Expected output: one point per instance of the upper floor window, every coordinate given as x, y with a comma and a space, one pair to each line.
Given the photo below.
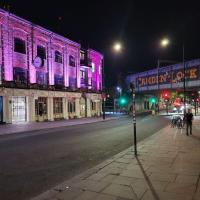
82, 55
19, 45
93, 67
72, 61
41, 52
58, 57
82, 74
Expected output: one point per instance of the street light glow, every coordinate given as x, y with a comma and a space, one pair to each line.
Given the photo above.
164, 42
117, 47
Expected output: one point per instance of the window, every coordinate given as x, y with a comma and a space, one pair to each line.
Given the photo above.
20, 76
99, 69
58, 57
57, 105
41, 52
19, 45
93, 105
82, 55
71, 106
72, 61
41, 106
41, 78
90, 81
93, 67
59, 80
72, 82
82, 74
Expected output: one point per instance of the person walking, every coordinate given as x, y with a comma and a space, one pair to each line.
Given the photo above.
188, 120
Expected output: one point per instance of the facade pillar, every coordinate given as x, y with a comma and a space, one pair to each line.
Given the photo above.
98, 107
65, 108
7, 48
31, 109
49, 62
77, 104
7, 109
50, 108
66, 68
88, 102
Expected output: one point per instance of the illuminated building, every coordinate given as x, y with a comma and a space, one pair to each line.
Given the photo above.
45, 76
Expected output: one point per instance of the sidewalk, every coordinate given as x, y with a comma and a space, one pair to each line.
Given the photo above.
33, 126
167, 168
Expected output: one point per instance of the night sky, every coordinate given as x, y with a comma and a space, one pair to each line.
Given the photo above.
139, 25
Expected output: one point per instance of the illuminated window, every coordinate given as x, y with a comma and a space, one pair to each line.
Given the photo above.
41, 52
82, 74
93, 67
19, 45
58, 57
82, 55
72, 61
90, 81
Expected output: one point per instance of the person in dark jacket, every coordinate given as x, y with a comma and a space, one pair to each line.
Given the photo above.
188, 120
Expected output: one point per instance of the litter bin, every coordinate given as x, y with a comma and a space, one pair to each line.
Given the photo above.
153, 112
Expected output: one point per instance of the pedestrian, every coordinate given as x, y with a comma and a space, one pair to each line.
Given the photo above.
188, 120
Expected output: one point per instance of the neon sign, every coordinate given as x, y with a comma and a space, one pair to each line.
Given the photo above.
174, 76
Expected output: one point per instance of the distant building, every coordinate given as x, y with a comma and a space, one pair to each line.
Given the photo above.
45, 76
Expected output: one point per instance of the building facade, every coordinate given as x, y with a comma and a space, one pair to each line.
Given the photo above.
45, 76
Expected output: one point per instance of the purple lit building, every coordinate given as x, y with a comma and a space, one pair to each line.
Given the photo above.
45, 76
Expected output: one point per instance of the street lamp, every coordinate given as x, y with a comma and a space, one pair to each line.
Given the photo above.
164, 42
117, 47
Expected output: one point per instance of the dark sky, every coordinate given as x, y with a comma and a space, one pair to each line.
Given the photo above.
139, 25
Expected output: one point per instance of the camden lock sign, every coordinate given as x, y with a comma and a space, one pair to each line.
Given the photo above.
174, 76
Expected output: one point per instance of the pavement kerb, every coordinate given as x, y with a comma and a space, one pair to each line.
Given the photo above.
51, 193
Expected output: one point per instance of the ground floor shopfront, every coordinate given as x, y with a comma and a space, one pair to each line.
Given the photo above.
18, 105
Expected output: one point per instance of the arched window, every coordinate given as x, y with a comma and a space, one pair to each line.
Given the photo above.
19, 45
72, 61
58, 57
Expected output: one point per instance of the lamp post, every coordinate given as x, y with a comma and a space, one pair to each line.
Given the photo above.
132, 86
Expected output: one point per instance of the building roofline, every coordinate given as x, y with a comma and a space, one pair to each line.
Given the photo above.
39, 27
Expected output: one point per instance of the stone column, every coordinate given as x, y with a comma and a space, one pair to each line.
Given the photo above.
31, 109
88, 102
50, 108
77, 104
98, 105
65, 108
7, 109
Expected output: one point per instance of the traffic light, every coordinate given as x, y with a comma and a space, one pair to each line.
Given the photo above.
166, 95
122, 101
153, 100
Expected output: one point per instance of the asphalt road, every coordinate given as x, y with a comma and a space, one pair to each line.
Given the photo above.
33, 162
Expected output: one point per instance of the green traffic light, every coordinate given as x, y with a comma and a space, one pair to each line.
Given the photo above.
122, 101
153, 100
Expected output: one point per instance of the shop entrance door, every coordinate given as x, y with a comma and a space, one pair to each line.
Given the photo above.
83, 107
18, 109
1, 109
